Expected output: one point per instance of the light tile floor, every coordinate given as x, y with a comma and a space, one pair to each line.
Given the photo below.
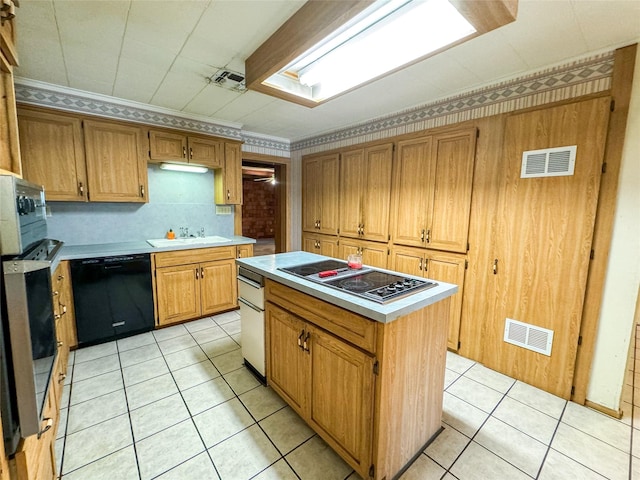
178, 404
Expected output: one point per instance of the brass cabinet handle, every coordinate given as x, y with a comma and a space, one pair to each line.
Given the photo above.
422, 235
60, 277
60, 344
55, 293
300, 339
142, 191
428, 239
64, 309
81, 189
184, 152
190, 153
201, 272
57, 316
305, 345
62, 377
197, 273
426, 264
420, 266
495, 266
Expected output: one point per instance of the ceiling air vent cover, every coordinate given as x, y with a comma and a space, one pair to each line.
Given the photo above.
549, 162
228, 79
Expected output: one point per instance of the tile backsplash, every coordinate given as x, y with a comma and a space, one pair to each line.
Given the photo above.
176, 199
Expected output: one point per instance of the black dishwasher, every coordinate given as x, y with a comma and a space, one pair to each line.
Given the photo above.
113, 297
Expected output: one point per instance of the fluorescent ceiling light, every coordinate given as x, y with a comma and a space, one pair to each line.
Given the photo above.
180, 167
384, 37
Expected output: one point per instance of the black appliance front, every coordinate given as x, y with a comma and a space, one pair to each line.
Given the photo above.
113, 297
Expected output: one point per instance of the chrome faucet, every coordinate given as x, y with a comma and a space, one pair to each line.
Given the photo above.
184, 232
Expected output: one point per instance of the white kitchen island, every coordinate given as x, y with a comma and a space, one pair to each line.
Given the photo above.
367, 377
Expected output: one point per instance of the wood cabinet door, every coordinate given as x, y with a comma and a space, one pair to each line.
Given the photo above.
352, 179
167, 146
328, 246
310, 243
53, 154
348, 247
178, 295
544, 239
375, 255
228, 180
287, 364
341, 389
207, 152
449, 268
218, 286
245, 251
9, 143
448, 224
330, 177
376, 196
413, 174
407, 261
116, 162
311, 187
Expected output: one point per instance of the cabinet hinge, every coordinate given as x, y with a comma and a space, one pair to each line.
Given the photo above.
579, 340
388, 251
466, 264
376, 367
612, 107
573, 390
338, 232
468, 246
458, 345
477, 133
372, 471
604, 168
389, 238
592, 254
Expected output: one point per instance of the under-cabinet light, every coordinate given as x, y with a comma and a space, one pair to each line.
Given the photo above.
179, 167
384, 37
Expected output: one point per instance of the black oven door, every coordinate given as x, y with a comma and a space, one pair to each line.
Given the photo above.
31, 331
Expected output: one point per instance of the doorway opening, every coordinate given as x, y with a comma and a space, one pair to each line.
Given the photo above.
263, 214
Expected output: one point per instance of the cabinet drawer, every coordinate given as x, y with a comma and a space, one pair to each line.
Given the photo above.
353, 328
196, 255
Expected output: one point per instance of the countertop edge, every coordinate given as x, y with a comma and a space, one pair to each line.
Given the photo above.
79, 252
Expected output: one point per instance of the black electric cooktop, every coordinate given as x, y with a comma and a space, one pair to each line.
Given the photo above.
381, 287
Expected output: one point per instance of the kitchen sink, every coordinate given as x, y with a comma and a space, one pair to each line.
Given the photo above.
165, 242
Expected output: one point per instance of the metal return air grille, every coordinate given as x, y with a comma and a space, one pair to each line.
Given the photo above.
528, 336
549, 162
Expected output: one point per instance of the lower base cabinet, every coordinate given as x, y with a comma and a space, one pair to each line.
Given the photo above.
372, 391
194, 283
374, 254
438, 266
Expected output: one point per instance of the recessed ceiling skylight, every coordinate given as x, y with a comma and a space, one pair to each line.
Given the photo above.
328, 48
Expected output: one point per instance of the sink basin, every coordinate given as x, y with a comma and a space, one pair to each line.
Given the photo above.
164, 242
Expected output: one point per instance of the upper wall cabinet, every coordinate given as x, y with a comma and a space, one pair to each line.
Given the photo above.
365, 191
228, 179
116, 162
53, 154
169, 146
86, 160
320, 194
9, 145
433, 180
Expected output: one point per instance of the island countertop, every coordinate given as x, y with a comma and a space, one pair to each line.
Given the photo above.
269, 265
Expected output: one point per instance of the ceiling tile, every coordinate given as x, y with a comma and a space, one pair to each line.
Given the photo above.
165, 24
183, 82
592, 15
540, 30
147, 54
137, 81
210, 99
446, 74
209, 50
90, 84
243, 105
37, 15
39, 61
81, 63
96, 26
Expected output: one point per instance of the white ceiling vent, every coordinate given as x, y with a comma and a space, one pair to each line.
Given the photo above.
549, 162
228, 79
528, 336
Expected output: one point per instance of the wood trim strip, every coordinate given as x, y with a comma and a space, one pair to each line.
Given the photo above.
621, 83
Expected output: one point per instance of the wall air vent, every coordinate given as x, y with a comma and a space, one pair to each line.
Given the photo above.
228, 79
528, 336
549, 162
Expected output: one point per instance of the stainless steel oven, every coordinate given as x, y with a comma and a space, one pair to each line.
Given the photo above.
28, 344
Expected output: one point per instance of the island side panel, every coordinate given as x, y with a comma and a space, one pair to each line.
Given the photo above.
412, 354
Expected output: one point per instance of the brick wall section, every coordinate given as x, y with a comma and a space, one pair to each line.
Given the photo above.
258, 209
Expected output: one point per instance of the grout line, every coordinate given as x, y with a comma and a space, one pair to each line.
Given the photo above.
555, 430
